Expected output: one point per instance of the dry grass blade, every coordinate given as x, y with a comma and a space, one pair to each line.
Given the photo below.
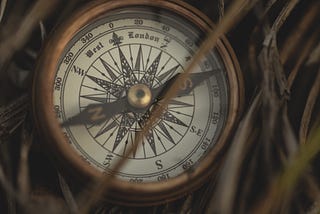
186, 207
314, 56
20, 34
275, 91
13, 115
21, 195
68, 196
274, 80
8, 188
23, 172
203, 196
307, 114
315, 209
307, 21
222, 201
269, 5
313, 190
270, 45
261, 13
315, 125
287, 9
270, 100
3, 4
250, 175
221, 9
166, 208
305, 52
289, 137
272, 104
283, 186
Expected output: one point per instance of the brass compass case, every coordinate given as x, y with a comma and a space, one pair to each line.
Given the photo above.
121, 42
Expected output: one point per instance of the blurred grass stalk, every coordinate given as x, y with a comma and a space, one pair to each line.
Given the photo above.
15, 35
3, 4
286, 183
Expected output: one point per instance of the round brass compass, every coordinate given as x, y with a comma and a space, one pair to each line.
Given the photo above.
105, 69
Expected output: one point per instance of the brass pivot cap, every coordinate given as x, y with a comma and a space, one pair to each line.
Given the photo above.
139, 96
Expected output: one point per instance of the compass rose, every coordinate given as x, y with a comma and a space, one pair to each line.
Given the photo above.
139, 81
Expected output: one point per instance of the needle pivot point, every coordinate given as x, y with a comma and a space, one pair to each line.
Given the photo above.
139, 96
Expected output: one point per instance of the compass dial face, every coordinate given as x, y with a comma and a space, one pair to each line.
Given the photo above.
130, 54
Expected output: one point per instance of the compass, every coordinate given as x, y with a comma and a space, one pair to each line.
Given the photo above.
105, 69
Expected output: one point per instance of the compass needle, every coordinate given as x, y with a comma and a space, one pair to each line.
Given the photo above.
109, 73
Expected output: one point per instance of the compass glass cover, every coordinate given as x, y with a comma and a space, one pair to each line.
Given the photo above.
139, 51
